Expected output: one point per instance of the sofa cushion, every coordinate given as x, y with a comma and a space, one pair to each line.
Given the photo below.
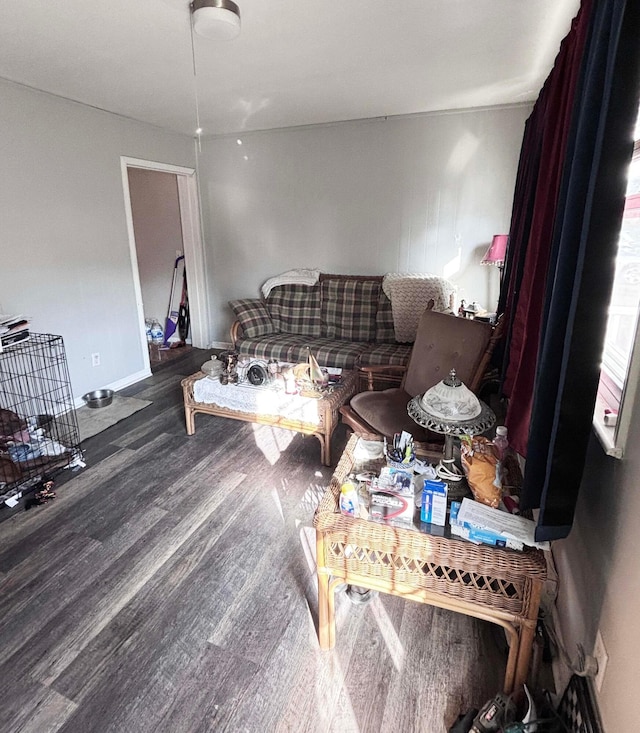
295, 309
330, 352
253, 316
293, 349
385, 332
277, 346
386, 354
349, 309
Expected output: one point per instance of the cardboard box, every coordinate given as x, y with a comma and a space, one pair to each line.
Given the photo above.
387, 505
434, 502
480, 535
519, 529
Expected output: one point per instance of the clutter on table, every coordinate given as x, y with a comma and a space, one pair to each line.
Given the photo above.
306, 378
396, 488
401, 453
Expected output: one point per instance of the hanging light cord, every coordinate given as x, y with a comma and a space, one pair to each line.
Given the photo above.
195, 86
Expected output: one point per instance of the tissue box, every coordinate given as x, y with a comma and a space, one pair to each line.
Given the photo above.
434, 502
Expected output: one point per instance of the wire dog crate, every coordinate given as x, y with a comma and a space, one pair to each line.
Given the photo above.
38, 426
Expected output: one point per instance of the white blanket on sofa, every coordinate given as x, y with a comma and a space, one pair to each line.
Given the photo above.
410, 294
299, 277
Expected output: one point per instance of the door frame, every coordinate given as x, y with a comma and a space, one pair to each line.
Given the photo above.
192, 243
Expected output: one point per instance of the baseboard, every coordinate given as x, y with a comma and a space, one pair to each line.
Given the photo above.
220, 345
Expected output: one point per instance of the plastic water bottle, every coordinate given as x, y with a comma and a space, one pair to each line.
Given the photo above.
501, 442
349, 499
148, 323
157, 334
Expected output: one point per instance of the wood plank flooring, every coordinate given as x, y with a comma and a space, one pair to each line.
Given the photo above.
169, 587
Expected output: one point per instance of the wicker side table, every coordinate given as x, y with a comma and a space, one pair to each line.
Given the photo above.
498, 585
328, 407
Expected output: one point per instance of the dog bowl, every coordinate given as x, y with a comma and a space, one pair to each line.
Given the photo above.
98, 398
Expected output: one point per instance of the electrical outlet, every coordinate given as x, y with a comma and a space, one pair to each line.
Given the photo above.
95, 359
600, 653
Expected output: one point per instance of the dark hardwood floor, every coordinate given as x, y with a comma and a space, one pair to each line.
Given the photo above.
170, 587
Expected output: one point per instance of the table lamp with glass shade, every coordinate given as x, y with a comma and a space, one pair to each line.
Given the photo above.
449, 407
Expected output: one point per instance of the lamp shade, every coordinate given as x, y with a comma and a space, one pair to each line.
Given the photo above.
450, 408
497, 250
218, 20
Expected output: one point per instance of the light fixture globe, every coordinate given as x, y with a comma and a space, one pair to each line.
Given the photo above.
452, 409
451, 400
218, 20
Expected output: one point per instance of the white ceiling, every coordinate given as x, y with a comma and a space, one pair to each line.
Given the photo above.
296, 62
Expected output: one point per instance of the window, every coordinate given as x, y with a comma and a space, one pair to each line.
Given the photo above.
620, 369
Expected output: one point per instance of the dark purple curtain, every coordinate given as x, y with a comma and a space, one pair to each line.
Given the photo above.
535, 207
565, 224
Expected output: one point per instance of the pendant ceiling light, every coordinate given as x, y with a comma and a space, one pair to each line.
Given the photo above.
216, 19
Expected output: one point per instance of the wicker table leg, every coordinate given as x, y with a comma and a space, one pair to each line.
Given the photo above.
325, 448
189, 419
326, 605
526, 636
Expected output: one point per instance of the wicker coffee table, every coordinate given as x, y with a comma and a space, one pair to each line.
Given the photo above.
498, 585
325, 411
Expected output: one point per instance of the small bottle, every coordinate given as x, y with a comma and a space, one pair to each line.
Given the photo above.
349, 499
461, 309
147, 324
157, 335
273, 368
501, 442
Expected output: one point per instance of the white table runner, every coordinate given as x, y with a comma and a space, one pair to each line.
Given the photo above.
263, 400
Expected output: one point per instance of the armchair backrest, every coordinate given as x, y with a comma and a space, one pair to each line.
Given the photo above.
444, 342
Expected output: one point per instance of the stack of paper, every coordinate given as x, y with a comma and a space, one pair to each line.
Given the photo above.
13, 330
483, 524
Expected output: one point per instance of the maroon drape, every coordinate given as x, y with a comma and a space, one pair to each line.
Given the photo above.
532, 222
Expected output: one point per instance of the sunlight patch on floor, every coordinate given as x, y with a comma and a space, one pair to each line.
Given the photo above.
308, 542
272, 441
309, 502
278, 503
334, 707
389, 634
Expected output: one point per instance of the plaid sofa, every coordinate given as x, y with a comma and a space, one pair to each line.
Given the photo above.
345, 320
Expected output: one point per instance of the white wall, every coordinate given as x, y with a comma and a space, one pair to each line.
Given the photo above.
419, 193
65, 253
156, 220
599, 569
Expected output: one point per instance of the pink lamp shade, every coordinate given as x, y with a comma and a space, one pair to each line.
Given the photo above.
497, 250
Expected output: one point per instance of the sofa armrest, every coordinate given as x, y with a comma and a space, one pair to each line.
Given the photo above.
370, 372
235, 332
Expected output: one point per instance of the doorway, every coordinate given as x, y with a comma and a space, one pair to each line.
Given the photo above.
167, 224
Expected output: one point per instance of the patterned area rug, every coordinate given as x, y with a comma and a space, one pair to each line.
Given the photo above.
92, 421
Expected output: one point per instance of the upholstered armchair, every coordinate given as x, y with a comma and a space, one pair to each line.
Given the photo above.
443, 342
